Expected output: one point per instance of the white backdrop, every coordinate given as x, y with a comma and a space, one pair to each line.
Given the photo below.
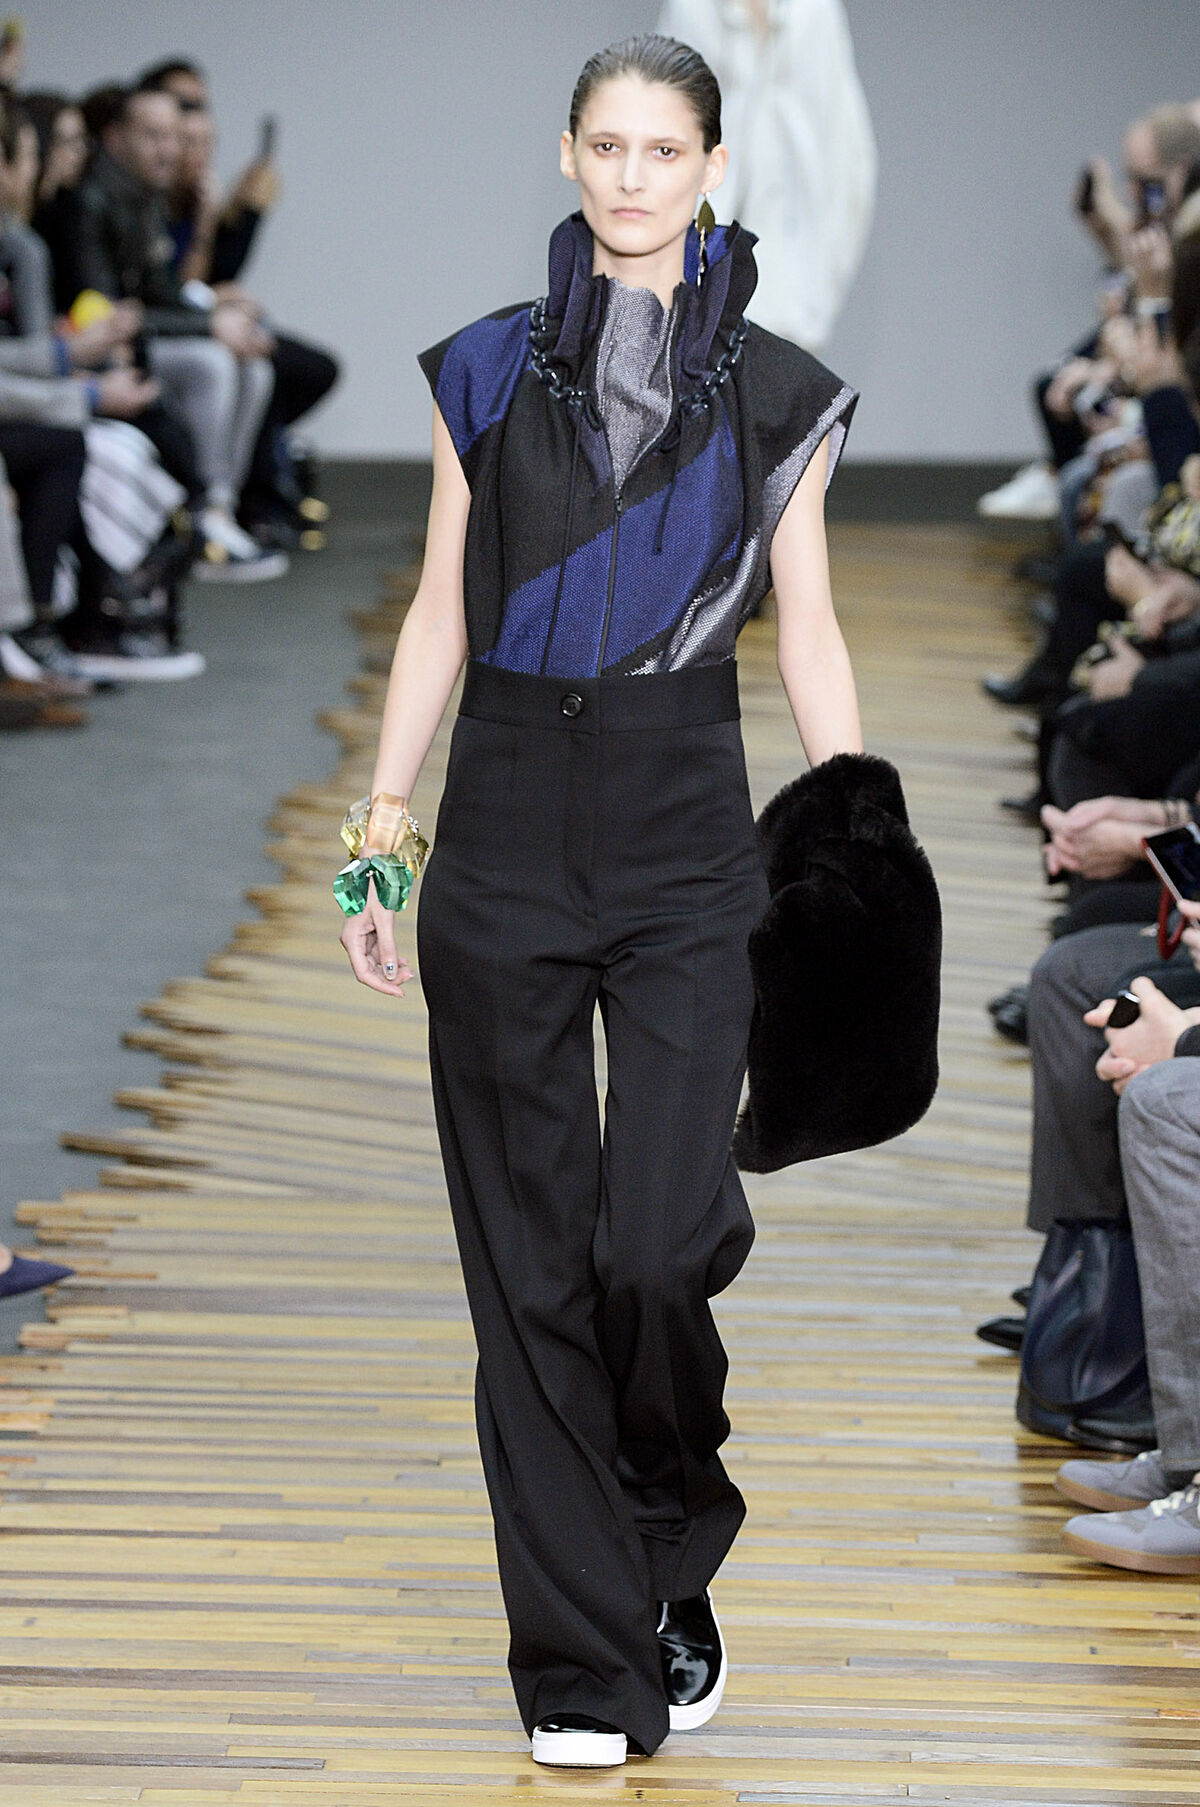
418, 147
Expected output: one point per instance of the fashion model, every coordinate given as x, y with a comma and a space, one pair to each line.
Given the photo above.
621, 471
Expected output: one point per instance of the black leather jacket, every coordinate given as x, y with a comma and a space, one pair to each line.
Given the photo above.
126, 252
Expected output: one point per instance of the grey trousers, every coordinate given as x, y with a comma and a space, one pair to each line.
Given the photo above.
223, 401
1160, 1158
1075, 1169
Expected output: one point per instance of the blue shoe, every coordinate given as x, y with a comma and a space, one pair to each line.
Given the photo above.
25, 1276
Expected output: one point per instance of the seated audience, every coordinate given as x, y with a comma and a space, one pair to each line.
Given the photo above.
145, 400
212, 361
213, 238
1159, 151
56, 390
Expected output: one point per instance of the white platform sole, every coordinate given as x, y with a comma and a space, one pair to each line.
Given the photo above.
699, 1712
579, 1750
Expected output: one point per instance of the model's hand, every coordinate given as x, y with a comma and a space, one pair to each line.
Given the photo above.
370, 942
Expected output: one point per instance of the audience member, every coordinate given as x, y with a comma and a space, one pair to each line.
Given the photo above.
213, 236
1145, 1510
63, 152
213, 361
144, 396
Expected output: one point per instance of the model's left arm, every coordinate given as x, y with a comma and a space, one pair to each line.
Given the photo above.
813, 661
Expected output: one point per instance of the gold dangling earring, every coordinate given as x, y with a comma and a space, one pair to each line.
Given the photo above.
706, 220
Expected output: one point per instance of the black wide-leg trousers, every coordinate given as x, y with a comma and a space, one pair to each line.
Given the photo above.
595, 845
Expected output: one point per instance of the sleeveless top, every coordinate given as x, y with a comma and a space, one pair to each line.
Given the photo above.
628, 464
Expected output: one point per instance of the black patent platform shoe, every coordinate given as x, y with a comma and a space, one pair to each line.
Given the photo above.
577, 1741
694, 1662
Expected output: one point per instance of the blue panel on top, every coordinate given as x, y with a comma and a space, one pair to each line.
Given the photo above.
651, 590
479, 373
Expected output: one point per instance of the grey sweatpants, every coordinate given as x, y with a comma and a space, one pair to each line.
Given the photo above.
223, 401
1160, 1158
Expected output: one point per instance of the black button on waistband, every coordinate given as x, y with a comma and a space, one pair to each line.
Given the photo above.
572, 703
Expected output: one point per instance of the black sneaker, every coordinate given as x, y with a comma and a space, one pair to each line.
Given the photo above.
694, 1662
36, 655
577, 1741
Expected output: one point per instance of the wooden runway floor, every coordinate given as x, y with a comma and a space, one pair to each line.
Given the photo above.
245, 1545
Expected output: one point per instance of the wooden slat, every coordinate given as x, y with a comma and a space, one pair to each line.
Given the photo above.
246, 1549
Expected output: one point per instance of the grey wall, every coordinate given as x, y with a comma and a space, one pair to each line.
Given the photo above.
419, 153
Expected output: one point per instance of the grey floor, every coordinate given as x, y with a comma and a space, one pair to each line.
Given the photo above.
129, 844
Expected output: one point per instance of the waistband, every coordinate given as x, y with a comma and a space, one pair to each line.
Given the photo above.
666, 699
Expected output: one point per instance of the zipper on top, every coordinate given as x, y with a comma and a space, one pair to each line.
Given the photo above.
618, 509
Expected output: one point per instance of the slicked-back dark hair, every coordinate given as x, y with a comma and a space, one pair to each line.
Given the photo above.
655, 59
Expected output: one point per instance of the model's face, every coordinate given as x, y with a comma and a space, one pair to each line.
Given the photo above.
639, 159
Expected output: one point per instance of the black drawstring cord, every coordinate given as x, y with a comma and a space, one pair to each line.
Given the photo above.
581, 408
662, 518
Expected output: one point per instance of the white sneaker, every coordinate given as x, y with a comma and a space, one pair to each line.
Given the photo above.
140, 655
231, 555
1030, 495
576, 1741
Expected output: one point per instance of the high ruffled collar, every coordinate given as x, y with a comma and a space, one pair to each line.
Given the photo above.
577, 299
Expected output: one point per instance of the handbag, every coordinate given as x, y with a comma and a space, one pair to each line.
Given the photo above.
1084, 1349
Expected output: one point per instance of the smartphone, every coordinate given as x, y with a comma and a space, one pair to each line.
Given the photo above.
268, 132
1153, 200
1085, 191
1126, 1009
1175, 856
1162, 322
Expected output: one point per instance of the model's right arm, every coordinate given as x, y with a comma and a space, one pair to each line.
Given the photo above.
429, 656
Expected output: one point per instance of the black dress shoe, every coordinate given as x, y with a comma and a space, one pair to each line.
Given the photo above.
1020, 1295
694, 1663
1119, 1436
577, 1741
1005, 1333
1036, 685
1010, 1014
